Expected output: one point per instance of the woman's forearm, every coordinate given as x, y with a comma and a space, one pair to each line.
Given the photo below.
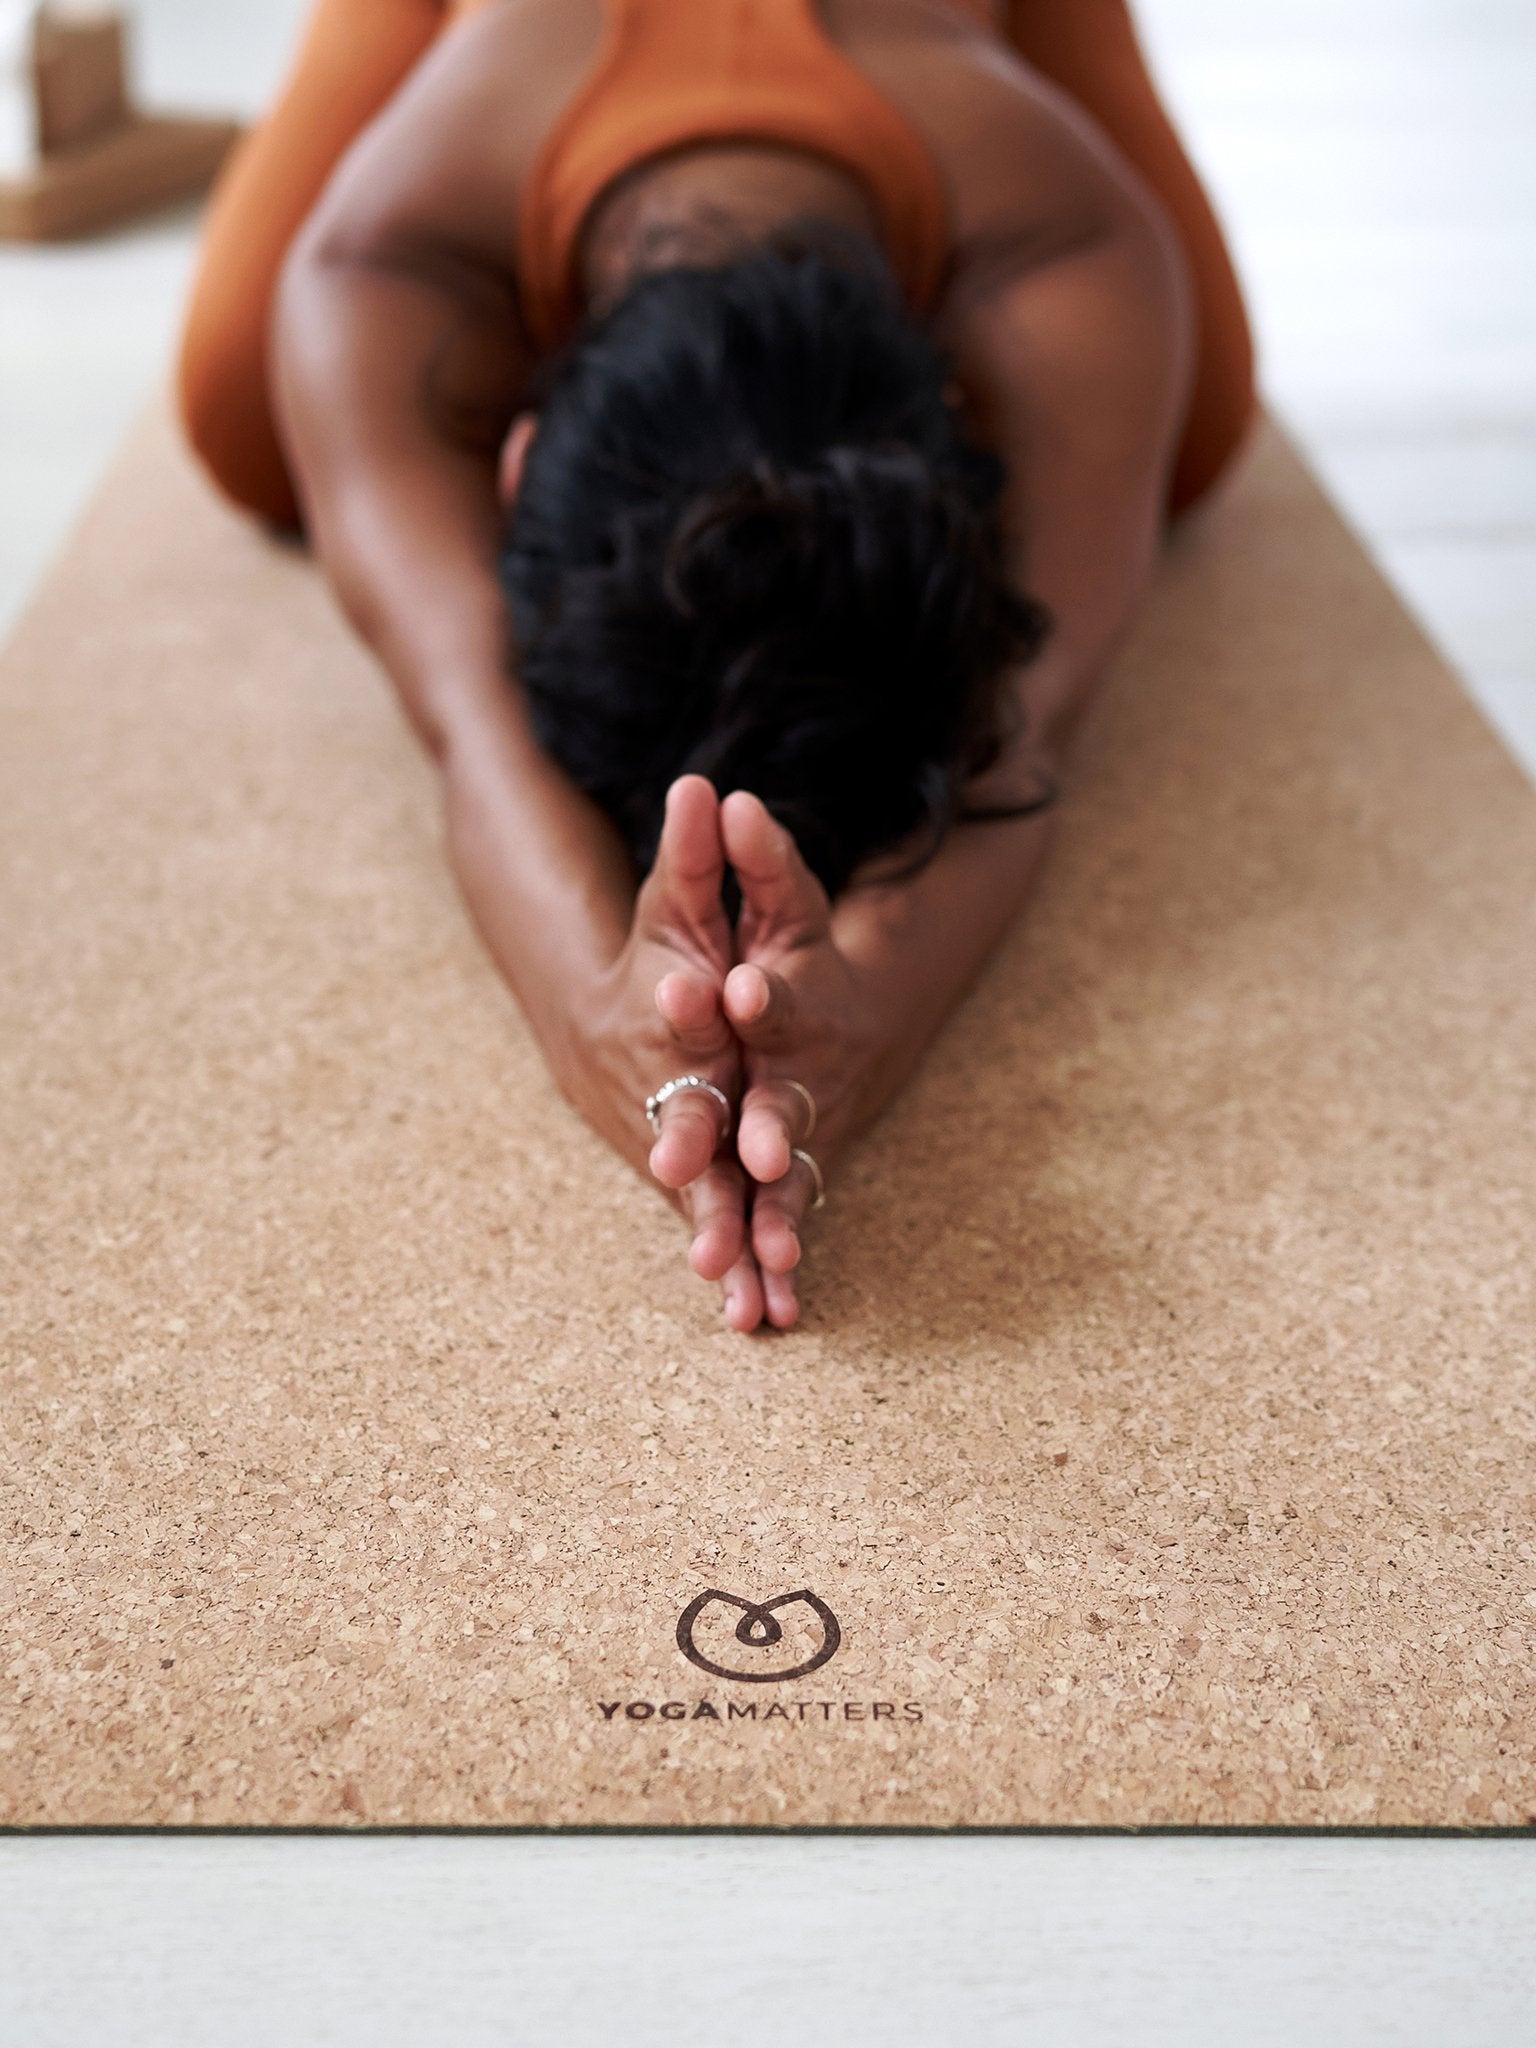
543, 871
406, 523
919, 945
1087, 438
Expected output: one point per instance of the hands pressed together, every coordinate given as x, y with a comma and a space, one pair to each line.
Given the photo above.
753, 1009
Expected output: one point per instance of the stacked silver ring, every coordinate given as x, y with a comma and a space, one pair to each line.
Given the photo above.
669, 1088
810, 1103
821, 1186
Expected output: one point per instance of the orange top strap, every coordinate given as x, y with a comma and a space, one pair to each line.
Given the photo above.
675, 72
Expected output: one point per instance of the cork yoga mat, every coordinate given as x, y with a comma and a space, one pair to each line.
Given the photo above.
1159, 1441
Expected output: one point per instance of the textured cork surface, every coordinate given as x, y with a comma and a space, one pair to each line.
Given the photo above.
1160, 1434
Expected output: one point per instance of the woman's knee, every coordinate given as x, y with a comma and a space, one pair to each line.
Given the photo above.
221, 391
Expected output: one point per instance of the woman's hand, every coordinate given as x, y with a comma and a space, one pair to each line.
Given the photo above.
805, 1013
657, 1012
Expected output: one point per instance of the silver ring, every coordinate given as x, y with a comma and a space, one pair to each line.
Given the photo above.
810, 1103
821, 1186
653, 1102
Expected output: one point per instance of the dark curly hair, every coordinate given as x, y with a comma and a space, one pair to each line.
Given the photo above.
753, 542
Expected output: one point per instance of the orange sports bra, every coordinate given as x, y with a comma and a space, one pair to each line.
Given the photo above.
675, 72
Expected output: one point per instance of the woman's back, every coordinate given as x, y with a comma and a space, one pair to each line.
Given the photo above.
408, 123
540, 107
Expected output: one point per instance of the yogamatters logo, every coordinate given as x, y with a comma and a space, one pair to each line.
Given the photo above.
704, 1636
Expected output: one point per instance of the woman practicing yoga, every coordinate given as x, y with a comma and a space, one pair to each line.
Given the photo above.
743, 429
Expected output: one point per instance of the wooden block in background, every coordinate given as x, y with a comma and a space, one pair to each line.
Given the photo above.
149, 161
80, 67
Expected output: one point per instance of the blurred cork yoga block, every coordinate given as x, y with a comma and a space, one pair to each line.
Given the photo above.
76, 155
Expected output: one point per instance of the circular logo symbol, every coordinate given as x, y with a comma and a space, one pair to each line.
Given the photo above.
758, 1629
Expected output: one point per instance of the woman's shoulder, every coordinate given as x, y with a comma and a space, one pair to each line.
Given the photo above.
1024, 166
453, 147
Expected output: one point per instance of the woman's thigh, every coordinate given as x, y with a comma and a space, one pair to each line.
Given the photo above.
354, 56
1090, 49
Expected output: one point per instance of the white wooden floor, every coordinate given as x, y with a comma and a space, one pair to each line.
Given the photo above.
850, 1942
1376, 162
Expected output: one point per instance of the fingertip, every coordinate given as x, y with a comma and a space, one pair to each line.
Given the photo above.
686, 1003
693, 791
786, 1253
783, 1309
713, 1253
768, 1162
683, 1146
748, 990
740, 1314
742, 811
744, 1298
682, 797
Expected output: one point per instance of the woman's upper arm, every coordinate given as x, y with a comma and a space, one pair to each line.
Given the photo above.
396, 337
1077, 367
440, 161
